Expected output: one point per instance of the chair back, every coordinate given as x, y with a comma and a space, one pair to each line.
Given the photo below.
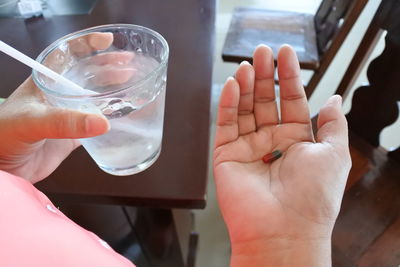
333, 17
374, 106
332, 22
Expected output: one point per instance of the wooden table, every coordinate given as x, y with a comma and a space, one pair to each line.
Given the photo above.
178, 179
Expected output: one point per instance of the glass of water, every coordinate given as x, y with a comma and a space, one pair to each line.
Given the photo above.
122, 69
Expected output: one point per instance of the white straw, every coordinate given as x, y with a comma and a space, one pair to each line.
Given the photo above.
14, 53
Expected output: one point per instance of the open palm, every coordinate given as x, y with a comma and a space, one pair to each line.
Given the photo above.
297, 195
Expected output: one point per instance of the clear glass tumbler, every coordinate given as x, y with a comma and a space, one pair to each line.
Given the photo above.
122, 69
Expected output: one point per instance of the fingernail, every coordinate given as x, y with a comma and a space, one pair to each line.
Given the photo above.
245, 62
96, 124
101, 40
337, 100
262, 45
286, 45
230, 78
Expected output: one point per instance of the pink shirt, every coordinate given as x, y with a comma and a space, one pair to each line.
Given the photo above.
33, 232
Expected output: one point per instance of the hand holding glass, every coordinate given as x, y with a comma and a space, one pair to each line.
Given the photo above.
123, 71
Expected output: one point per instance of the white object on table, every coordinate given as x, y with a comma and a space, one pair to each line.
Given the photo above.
28, 8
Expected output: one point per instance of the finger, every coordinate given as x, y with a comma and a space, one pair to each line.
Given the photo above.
294, 107
86, 44
57, 123
245, 78
332, 124
59, 59
114, 58
106, 76
227, 121
100, 40
265, 108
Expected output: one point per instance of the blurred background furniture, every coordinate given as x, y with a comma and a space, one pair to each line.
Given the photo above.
49, 8
137, 214
316, 38
367, 232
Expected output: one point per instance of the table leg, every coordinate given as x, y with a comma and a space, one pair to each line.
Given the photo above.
157, 235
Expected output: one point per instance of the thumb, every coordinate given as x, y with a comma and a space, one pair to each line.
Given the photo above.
58, 123
332, 124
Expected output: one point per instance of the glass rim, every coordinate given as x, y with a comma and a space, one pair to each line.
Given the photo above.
73, 35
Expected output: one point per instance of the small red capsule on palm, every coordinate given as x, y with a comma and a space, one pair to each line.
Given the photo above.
270, 157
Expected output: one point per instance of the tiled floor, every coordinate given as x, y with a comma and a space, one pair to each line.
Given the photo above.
214, 249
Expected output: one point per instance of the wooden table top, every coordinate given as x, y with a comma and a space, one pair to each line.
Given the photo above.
178, 179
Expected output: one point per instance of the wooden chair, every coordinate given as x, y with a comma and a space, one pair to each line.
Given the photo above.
367, 232
316, 38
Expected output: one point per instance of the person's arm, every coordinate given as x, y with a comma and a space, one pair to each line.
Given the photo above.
35, 233
280, 212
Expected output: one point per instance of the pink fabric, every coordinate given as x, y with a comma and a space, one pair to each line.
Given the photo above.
33, 232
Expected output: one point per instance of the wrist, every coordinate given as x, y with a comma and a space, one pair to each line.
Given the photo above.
282, 252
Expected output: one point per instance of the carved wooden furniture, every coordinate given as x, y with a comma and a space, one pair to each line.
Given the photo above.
367, 232
316, 38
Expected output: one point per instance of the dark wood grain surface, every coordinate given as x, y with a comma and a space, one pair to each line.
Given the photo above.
251, 27
178, 178
384, 249
369, 209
